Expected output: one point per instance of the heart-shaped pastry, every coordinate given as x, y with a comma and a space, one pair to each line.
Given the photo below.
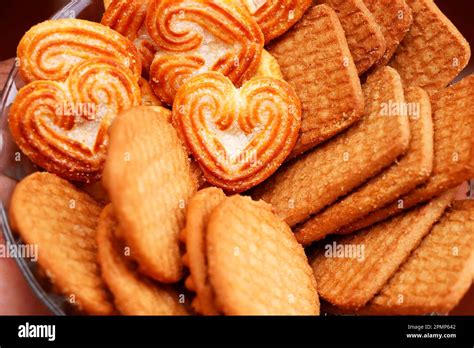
62, 126
276, 16
49, 50
238, 136
197, 36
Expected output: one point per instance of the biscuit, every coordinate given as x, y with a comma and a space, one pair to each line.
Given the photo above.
256, 266
364, 36
52, 214
133, 293
239, 137
349, 282
394, 18
433, 52
315, 49
194, 236
453, 125
148, 177
437, 274
275, 17
304, 187
412, 169
62, 126
218, 36
51, 49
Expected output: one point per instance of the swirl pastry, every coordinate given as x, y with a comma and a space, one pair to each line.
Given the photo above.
62, 126
196, 36
238, 136
275, 17
49, 50
128, 18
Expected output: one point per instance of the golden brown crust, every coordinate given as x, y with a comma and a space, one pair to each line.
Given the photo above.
145, 155
256, 267
304, 187
453, 125
404, 175
194, 235
364, 36
51, 49
239, 137
197, 36
437, 274
350, 282
433, 52
133, 293
52, 214
62, 126
394, 18
315, 49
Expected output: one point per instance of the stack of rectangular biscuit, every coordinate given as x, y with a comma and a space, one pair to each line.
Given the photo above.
385, 142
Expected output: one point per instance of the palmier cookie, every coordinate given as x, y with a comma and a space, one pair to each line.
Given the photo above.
62, 126
51, 49
196, 36
239, 137
275, 17
254, 264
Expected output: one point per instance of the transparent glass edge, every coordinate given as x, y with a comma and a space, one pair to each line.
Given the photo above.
76, 6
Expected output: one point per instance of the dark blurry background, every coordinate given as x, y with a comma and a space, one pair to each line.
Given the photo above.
17, 16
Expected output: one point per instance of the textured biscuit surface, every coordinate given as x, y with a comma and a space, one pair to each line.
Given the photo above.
148, 177
433, 52
350, 283
51, 213
364, 36
437, 274
315, 49
453, 163
401, 177
133, 293
318, 178
194, 236
256, 266
394, 18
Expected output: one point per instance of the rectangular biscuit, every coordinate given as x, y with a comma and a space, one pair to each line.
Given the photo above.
315, 60
364, 36
437, 274
411, 170
394, 18
453, 126
349, 282
306, 185
433, 52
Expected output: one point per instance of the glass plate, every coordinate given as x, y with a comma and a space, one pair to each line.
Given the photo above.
18, 166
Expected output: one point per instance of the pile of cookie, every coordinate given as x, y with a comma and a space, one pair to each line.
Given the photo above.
248, 157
